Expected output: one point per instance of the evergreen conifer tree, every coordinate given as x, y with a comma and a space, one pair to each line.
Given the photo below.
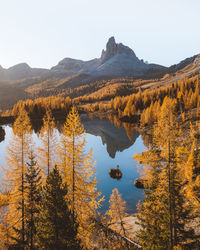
56, 228
33, 190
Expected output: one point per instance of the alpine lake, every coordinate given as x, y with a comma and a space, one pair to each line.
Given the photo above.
113, 145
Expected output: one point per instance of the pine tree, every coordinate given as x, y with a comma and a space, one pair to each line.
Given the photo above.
33, 190
56, 228
78, 172
153, 216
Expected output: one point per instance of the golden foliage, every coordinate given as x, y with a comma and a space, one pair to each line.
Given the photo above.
80, 175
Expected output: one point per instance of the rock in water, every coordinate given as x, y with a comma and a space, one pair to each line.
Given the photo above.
140, 183
115, 173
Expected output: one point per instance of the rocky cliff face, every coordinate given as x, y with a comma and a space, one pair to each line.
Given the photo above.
112, 49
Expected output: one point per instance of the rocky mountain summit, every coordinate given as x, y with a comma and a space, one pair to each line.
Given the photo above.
115, 72
117, 60
112, 49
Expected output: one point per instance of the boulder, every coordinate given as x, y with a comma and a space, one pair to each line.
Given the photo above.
140, 183
115, 173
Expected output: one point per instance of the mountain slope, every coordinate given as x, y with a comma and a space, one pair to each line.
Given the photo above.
116, 61
77, 77
20, 71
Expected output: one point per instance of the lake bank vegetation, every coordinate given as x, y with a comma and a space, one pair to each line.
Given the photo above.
147, 103
49, 195
169, 215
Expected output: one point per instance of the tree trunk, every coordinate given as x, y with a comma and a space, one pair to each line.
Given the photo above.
170, 199
23, 238
73, 165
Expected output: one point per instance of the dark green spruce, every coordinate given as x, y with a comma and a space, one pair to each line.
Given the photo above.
33, 189
55, 227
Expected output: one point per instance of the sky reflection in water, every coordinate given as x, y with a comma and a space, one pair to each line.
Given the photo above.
104, 163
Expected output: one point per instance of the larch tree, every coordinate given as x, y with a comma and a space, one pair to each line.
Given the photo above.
192, 168
49, 141
117, 211
166, 134
4, 226
79, 173
113, 220
17, 155
164, 203
189, 160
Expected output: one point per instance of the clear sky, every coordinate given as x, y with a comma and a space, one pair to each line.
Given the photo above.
42, 32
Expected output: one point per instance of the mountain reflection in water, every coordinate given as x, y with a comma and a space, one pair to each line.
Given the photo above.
115, 138
113, 143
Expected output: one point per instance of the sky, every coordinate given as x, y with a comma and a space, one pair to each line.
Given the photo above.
43, 32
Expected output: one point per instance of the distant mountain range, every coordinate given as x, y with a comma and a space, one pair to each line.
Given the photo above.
116, 61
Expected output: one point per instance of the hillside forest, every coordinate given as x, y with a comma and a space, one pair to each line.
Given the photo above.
49, 197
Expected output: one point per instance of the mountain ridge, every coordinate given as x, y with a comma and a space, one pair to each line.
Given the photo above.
118, 71
117, 60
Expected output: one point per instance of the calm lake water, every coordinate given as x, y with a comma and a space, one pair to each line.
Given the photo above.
111, 147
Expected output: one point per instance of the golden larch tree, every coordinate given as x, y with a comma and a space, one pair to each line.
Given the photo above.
117, 210
79, 173
49, 141
14, 176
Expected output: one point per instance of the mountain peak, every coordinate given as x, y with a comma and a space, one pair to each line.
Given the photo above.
113, 48
111, 43
20, 66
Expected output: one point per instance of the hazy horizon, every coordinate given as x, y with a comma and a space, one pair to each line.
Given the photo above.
41, 33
